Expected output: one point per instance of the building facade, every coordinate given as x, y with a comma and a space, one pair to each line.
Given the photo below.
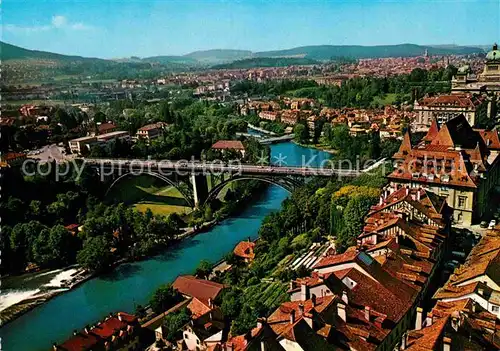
454, 161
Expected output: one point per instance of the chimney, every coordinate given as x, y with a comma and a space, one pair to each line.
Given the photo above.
341, 311
428, 319
418, 194
262, 346
229, 347
292, 317
367, 313
344, 297
86, 329
446, 344
418, 321
407, 191
120, 317
474, 307
301, 309
209, 302
259, 323
304, 292
404, 340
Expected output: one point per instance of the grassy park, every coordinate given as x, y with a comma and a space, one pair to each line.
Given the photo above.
145, 192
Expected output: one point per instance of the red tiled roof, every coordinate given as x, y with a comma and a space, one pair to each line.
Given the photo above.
95, 337
228, 144
152, 126
105, 127
244, 249
198, 288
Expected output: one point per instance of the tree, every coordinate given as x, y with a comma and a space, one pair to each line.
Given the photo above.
22, 238
301, 133
173, 322
164, 298
231, 304
245, 320
204, 269
354, 212
95, 254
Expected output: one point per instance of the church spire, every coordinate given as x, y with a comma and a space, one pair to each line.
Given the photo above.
433, 131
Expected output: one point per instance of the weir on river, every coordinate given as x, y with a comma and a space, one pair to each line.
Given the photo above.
133, 283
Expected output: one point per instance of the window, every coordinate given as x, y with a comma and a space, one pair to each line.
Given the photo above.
495, 309
186, 336
462, 200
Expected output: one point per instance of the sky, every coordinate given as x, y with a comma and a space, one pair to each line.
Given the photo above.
123, 28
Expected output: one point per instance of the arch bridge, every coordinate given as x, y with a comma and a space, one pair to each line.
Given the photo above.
199, 182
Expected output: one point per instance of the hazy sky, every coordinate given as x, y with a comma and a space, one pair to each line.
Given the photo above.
121, 28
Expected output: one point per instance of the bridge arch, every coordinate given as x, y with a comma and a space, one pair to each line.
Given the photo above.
187, 196
285, 183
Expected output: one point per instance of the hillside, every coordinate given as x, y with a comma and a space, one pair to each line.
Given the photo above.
13, 52
327, 52
266, 62
171, 59
217, 56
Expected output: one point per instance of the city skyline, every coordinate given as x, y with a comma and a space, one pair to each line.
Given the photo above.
130, 28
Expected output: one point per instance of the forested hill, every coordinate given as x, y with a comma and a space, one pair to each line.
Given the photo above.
13, 52
266, 62
327, 52
222, 56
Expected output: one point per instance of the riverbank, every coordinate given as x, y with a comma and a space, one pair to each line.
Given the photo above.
75, 277
30, 302
319, 147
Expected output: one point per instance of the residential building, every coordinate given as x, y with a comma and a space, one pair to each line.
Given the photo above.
478, 278
104, 128
234, 145
244, 251
269, 115
458, 325
83, 144
453, 161
80, 145
260, 338
117, 332
151, 131
204, 331
116, 135
204, 290
290, 117
445, 107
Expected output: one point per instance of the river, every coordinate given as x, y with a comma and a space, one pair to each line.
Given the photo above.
133, 283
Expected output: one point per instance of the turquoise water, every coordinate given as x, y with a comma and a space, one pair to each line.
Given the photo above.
132, 284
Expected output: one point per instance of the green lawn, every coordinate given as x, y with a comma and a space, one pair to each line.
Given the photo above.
388, 99
143, 192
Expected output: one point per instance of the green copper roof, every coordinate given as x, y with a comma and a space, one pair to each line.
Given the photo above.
494, 54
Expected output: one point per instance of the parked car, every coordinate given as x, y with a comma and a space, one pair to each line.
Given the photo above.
492, 224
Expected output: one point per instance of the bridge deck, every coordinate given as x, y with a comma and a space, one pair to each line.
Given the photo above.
216, 167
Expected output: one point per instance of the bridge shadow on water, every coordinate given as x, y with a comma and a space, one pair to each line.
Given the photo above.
176, 250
